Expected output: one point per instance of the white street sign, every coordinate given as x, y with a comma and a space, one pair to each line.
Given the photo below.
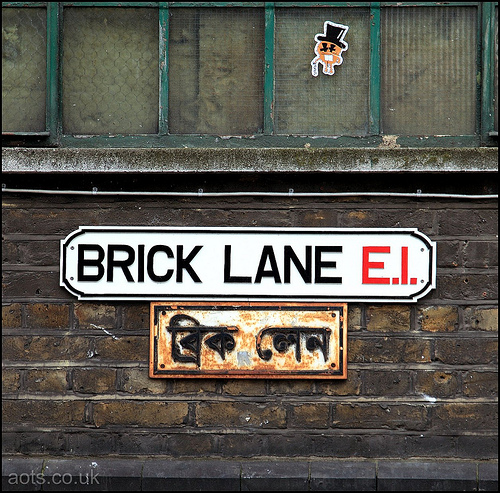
248, 264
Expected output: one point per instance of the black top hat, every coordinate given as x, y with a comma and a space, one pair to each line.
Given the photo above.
334, 34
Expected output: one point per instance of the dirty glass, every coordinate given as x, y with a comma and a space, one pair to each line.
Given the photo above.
110, 71
327, 104
216, 65
428, 84
495, 82
24, 69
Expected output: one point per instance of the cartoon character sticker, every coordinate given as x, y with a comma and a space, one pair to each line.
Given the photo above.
329, 47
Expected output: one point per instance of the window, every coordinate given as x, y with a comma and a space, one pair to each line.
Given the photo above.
175, 74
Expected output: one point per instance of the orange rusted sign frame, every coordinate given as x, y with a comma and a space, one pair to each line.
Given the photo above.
248, 340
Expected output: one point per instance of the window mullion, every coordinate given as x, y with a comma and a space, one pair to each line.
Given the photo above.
53, 100
375, 65
163, 16
269, 69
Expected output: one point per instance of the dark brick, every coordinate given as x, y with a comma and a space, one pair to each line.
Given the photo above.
263, 475
291, 387
185, 475
350, 386
47, 316
354, 318
137, 381
383, 446
126, 348
146, 414
481, 254
33, 252
386, 382
369, 416
46, 443
458, 417
314, 218
245, 414
90, 443
480, 384
45, 348
478, 447
308, 415
231, 445
43, 412
30, 285
48, 380
136, 317
388, 350
10, 380
436, 383
388, 318
467, 222
296, 444
431, 446
448, 254
95, 316
426, 476
128, 443
332, 445
194, 386
94, 380
191, 445
468, 287
343, 476
244, 387
466, 351
11, 316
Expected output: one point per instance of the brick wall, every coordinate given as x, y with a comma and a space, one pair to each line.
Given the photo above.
422, 379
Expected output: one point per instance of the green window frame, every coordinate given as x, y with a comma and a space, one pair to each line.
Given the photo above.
53, 136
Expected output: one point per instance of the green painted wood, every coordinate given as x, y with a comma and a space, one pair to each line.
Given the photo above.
53, 105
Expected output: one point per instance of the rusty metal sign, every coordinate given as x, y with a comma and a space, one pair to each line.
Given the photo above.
251, 340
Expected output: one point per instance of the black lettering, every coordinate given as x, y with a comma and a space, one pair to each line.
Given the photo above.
184, 263
227, 269
267, 254
140, 263
305, 272
89, 262
150, 263
320, 264
124, 264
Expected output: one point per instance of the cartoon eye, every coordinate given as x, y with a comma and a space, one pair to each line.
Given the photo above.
324, 47
332, 48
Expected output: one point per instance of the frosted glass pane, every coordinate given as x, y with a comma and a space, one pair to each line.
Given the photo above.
216, 66
24, 69
110, 71
327, 104
429, 70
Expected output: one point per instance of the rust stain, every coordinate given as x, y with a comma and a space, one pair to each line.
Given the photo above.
248, 340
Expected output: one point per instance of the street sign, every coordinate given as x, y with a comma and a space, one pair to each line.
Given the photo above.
248, 264
249, 340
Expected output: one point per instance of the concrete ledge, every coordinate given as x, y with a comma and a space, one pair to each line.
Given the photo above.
426, 476
339, 160
152, 474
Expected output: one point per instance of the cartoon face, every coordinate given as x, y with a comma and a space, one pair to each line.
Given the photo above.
329, 52
329, 48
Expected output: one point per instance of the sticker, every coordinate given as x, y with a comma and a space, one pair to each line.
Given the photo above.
329, 48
